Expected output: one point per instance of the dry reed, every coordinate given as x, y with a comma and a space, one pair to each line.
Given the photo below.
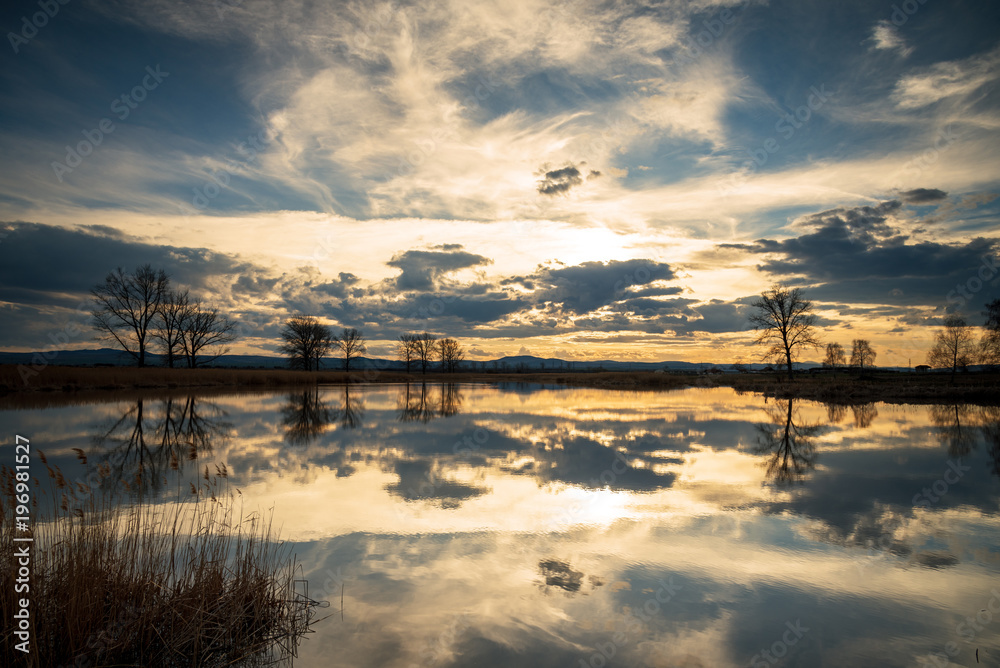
192, 582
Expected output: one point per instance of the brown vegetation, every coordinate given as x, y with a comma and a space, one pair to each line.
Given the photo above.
122, 583
829, 387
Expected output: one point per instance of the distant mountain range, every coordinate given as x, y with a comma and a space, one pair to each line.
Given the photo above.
113, 357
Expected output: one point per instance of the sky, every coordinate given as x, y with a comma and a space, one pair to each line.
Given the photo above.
584, 180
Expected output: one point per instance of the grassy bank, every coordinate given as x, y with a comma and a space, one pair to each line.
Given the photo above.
118, 583
83, 382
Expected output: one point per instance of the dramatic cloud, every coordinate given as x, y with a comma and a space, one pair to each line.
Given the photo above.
591, 285
923, 195
490, 170
559, 181
860, 255
422, 269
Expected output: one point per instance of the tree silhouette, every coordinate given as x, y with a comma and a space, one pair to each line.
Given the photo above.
789, 444
126, 308
201, 329
424, 347
406, 349
834, 355
862, 355
989, 344
306, 341
172, 314
352, 344
451, 354
784, 322
954, 346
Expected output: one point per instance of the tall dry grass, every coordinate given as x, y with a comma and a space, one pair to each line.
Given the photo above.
193, 582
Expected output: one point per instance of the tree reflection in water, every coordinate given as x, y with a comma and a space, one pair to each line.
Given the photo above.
864, 414
307, 414
989, 419
154, 436
417, 405
787, 442
956, 427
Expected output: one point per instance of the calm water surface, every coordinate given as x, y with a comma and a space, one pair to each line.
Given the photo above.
534, 526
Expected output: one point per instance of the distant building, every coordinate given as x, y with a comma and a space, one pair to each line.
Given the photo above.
922, 368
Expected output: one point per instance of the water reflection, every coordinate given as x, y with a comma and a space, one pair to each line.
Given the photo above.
308, 413
530, 525
419, 405
151, 438
990, 416
955, 427
305, 416
787, 443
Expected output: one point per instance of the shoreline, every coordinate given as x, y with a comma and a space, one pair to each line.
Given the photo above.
88, 383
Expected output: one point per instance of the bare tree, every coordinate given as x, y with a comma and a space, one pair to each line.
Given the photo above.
306, 342
862, 354
407, 349
451, 354
352, 344
954, 346
127, 305
424, 346
203, 328
989, 345
174, 311
834, 355
784, 322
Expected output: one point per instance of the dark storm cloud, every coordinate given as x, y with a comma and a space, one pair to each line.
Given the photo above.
253, 285
52, 259
860, 256
46, 274
421, 269
582, 288
559, 181
340, 287
923, 195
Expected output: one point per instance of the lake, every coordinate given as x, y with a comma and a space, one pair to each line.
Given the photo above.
452, 525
